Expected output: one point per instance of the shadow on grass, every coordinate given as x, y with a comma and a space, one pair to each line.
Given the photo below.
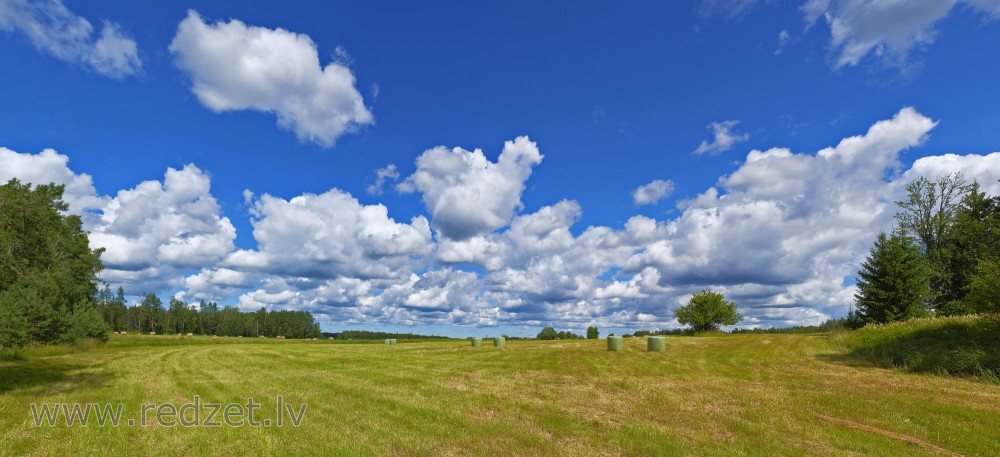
965, 346
56, 376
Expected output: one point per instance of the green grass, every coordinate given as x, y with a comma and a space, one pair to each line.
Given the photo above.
958, 346
713, 395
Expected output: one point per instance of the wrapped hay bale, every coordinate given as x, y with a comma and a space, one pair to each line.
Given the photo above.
152, 333
189, 334
477, 342
615, 343
656, 344
499, 342
390, 341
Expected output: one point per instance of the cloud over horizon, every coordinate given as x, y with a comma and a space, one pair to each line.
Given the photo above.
779, 234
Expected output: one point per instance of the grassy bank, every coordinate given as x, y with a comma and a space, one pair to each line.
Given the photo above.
959, 346
712, 395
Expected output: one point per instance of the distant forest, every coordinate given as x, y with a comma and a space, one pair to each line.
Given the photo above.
367, 335
206, 318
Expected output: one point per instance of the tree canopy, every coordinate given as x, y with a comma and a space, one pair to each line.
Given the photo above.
708, 311
48, 273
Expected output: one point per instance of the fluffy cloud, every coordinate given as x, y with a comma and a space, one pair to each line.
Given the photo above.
779, 235
466, 193
48, 167
330, 235
984, 169
887, 29
787, 219
217, 284
155, 230
234, 66
723, 138
653, 192
151, 233
57, 31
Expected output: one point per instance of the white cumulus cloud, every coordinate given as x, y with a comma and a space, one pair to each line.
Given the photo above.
984, 169
234, 66
55, 30
51, 167
652, 192
330, 235
467, 194
157, 229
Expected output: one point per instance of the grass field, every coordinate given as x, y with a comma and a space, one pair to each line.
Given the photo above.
719, 395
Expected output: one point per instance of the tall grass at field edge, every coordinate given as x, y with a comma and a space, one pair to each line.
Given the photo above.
967, 346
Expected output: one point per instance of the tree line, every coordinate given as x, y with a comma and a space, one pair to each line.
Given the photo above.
370, 335
203, 318
943, 257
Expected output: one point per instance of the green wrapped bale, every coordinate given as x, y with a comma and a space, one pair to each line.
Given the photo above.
616, 343
477, 342
499, 342
390, 341
656, 344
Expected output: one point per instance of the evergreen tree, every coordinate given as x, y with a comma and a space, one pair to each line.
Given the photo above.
47, 269
151, 314
893, 283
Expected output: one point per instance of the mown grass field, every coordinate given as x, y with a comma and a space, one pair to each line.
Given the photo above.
719, 395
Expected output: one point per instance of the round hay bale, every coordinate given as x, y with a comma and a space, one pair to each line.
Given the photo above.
152, 333
499, 342
281, 337
189, 334
656, 344
124, 332
329, 338
615, 343
262, 337
477, 342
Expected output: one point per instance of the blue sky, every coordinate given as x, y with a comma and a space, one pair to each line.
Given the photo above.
610, 96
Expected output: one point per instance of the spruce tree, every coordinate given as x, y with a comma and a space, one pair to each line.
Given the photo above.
894, 281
